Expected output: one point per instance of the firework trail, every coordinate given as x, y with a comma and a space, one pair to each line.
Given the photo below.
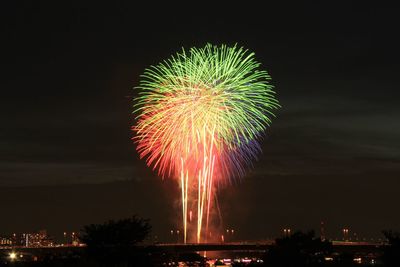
200, 115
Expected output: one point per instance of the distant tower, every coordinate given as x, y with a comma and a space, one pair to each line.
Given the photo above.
322, 231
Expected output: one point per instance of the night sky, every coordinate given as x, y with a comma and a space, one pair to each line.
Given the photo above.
68, 72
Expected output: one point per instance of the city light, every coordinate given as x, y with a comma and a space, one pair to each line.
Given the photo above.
12, 256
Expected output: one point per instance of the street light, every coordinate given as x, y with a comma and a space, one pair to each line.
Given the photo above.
286, 232
177, 235
345, 234
65, 238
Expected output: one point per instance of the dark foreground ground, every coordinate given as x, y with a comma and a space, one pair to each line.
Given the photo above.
160, 261
343, 256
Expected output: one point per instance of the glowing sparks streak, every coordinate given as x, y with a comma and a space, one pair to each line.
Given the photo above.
205, 179
210, 181
184, 188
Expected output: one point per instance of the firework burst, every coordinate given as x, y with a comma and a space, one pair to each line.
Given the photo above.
200, 115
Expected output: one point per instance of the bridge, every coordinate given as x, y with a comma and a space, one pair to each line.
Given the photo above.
194, 247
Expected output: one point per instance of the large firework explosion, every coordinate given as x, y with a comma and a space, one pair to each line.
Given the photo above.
200, 116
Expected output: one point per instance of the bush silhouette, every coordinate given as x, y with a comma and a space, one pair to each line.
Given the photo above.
300, 250
391, 251
115, 242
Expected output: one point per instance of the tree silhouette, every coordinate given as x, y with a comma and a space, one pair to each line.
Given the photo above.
299, 250
391, 251
114, 242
